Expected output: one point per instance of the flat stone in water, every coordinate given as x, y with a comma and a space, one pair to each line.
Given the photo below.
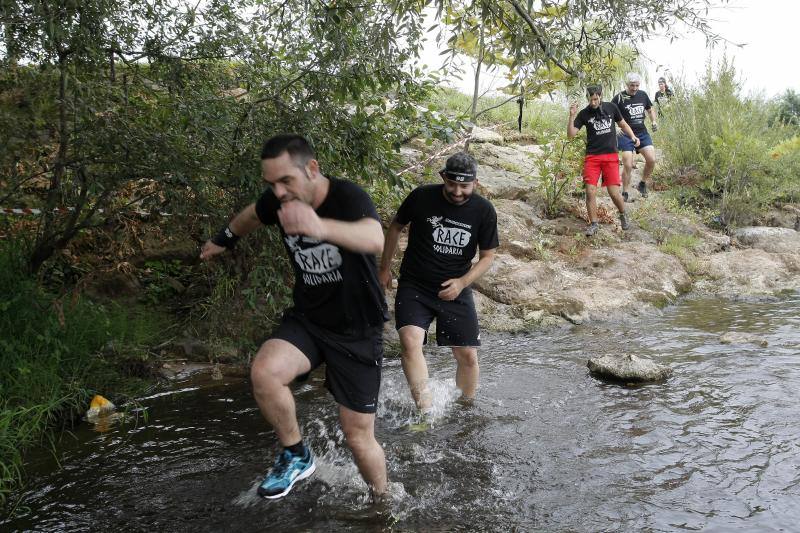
628, 368
738, 337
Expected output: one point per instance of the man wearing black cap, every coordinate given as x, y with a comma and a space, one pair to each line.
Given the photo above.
449, 223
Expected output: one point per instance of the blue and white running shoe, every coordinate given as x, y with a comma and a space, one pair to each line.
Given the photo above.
288, 470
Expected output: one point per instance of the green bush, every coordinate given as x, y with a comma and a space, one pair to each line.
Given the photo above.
718, 143
559, 171
50, 360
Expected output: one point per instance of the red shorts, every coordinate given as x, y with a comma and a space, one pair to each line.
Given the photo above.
605, 164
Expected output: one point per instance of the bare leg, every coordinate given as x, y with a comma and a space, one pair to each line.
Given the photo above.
616, 197
414, 366
467, 371
627, 170
359, 430
649, 154
276, 364
591, 202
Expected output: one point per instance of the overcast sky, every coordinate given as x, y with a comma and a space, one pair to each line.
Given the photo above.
768, 63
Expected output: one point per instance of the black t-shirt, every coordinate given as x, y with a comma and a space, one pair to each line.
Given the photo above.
334, 288
443, 237
601, 132
663, 98
633, 109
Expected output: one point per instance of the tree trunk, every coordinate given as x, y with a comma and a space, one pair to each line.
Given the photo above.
8, 37
45, 240
473, 115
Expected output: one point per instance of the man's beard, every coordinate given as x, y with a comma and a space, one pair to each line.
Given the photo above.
455, 201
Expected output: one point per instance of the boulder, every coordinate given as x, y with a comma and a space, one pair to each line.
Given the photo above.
773, 240
498, 183
751, 272
599, 284
629, 368
740, 337
517, 224
482, 135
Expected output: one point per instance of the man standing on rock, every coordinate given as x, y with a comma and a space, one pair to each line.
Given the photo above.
449, 223
331, 232
601, 151
634, 104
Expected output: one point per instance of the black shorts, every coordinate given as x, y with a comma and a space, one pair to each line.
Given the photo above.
352, 363
456, 320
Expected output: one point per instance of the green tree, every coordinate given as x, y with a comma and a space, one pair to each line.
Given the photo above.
151, 105
788, 110
563, 44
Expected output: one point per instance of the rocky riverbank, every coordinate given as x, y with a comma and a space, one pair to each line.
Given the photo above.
547, 273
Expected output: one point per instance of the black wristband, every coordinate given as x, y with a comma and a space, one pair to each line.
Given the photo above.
225, 238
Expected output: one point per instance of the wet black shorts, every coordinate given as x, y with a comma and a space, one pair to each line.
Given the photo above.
456, 320
352, 363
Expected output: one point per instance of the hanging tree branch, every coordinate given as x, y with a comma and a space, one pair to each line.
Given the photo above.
537, 34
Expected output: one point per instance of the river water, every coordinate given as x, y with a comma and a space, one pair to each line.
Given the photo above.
545, 447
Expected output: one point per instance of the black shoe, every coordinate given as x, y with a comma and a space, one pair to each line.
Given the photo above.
592, 229
625, 197
642, 188
623, 221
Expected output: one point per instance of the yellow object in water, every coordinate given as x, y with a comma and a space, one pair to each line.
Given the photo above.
99, 406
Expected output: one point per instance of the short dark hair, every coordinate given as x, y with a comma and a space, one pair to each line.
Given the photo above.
297, 146
594, 89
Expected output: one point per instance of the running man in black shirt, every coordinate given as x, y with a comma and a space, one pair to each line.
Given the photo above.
331, 232
449, 223
634, 104
601, 151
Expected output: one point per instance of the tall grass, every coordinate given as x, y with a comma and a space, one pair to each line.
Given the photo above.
539, 117
718, 146
49, 359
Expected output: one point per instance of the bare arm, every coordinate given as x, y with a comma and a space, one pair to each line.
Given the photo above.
628, 131
572, 131
242, 224
363, 236
389, 249
246, 221
453, 287
653, 117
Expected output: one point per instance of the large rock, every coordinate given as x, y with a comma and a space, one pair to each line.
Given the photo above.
600, 284
517, 224
629, 368
496, 183
774, 240
482, 135
751, 272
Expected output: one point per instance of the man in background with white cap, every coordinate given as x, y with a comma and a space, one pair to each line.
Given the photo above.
634, 104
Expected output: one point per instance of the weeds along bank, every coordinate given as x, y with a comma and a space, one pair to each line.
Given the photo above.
731, 155
56, 349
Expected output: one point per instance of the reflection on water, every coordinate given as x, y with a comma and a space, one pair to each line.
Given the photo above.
544, 447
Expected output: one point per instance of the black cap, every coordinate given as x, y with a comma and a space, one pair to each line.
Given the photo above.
460, 167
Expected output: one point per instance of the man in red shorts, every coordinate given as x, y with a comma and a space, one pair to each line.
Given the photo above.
601, 151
